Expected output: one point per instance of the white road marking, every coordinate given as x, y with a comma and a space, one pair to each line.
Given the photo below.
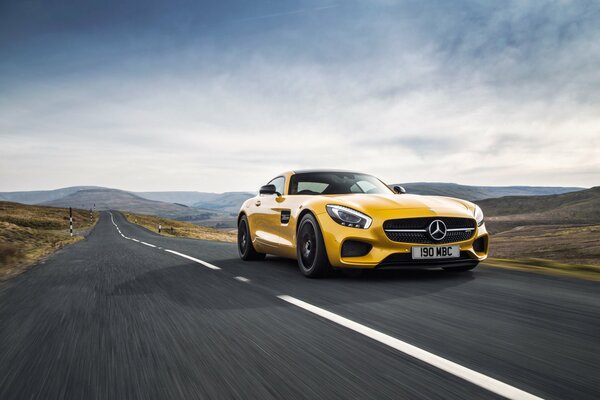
453, 368
476, 378
208, 265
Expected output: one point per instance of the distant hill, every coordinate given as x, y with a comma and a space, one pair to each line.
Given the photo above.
564, 227
474, 193
228, 201
41, 196
114, 199
220, 209
582, 207
182, 197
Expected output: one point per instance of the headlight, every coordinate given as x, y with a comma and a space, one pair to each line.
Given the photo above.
478, 214
348, 217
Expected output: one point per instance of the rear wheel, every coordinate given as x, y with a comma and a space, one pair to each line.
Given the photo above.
245, 247
310, 249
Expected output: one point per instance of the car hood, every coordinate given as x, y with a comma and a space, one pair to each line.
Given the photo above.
380, 202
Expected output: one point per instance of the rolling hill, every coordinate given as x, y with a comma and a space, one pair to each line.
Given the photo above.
574, 208
187, 198
42, 196
474, 193
563, 228
219, 209
228, 201
107, 199
231, 201
583, 205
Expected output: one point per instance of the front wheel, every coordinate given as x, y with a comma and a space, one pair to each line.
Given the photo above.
310, 249
245, 248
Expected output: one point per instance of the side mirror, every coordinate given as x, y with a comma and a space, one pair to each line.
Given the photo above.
399, 190
268, 189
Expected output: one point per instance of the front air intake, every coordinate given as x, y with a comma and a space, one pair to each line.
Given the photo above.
354, 248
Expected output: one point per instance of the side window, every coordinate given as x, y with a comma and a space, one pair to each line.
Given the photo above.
279, 183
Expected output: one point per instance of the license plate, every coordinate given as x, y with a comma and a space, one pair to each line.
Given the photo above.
431, 252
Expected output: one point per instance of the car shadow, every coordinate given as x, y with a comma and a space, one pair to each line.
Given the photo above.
373, 275
282, 275
189, 285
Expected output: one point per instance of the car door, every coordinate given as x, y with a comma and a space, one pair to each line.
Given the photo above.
288, 208
267, 225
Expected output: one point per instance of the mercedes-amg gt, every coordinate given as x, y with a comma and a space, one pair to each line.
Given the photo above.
338, 219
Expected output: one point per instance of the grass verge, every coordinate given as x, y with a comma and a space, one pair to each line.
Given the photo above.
179, 228
30, 233
582, 271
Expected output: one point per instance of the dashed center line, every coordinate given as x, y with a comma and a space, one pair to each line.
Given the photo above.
242, 279
208, 265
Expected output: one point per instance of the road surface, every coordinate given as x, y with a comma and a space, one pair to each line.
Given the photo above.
115, 318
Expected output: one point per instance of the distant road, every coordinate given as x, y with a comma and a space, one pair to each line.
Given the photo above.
114, 318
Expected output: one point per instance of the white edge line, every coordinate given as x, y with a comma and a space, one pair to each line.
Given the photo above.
208, 265
147, 244
242, 279
117, 226
453, 368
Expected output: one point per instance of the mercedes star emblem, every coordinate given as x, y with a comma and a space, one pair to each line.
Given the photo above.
437, 230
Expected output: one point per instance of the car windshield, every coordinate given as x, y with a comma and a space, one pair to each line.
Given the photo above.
315, 183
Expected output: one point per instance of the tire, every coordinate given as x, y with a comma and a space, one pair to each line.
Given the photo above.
460, 269
244, 243
310, 249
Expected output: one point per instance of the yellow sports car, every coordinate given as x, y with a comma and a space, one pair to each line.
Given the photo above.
337, 219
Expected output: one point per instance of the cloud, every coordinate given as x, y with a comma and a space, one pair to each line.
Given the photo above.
425, 91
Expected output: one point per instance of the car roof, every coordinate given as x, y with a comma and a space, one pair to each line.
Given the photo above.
308, 171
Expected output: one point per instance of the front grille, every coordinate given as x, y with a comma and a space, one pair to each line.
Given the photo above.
414, 230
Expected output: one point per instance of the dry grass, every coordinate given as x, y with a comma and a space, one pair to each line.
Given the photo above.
582, 271
555, 249
29, 233
179, 228
576, 245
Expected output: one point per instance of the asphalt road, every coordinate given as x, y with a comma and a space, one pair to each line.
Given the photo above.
111, 318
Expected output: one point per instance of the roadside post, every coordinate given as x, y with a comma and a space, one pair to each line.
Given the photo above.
71, 221
159, 228
91, 219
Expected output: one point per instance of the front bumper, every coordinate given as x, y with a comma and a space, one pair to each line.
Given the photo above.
386, 253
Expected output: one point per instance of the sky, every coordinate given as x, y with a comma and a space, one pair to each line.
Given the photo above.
223, 95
